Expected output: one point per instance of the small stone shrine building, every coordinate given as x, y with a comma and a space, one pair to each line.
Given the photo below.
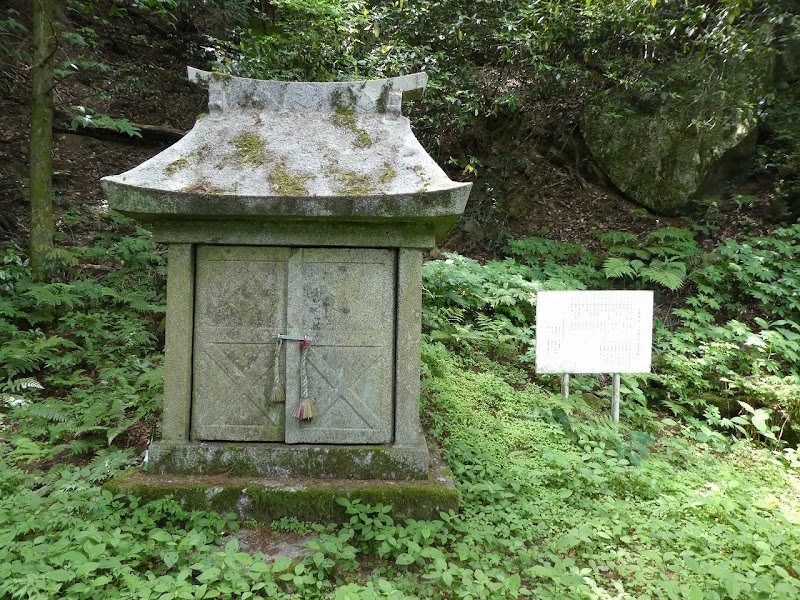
295, 216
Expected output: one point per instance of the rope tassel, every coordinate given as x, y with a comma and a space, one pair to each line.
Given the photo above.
278, 393
306, 409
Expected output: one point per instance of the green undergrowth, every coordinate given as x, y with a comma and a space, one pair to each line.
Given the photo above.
556, 503
554, 493
79, 359
695, 494
726, 342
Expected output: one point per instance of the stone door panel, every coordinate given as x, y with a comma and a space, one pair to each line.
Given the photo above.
240, 306
342, 299
347, 306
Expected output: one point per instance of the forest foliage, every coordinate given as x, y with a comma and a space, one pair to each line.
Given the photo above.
486, 58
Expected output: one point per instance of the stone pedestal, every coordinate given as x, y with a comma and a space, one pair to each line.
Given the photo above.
296, 216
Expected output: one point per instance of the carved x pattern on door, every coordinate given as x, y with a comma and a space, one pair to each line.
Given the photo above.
340, 387
249, 381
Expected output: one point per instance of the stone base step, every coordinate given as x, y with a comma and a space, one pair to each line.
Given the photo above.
265, 500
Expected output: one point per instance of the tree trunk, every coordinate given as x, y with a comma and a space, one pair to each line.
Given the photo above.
41, 157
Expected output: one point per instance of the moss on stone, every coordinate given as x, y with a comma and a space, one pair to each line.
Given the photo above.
176, 165
250, 148
288, 184
383, 98
308, 501
343, 100
243, 460
387, 175
346, 119
350, 183
224, 498
181, 163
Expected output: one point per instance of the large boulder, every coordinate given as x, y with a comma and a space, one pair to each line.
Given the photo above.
668, 143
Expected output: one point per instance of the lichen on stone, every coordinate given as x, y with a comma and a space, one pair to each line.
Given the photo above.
288, 184
176, 165
201, 152
203, 187
423, 176
250, 148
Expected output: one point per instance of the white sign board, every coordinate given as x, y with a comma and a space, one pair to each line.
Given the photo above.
594, 332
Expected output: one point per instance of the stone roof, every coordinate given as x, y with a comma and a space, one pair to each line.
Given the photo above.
277, 149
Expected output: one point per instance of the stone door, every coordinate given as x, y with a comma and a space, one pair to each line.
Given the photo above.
240, 305
342, 299
346, 304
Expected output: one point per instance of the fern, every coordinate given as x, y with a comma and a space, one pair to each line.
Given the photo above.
27, 451
54, 295
80, 446
664, 260
664, 251
640, 253
672, 275
617, 238
105, 464
671, 233
618, 267
10, 310
61, 259
46, 411
24, 383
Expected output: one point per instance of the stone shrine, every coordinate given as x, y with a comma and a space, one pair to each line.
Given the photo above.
295, 216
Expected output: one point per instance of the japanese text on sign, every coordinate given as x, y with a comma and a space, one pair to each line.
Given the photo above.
594, 332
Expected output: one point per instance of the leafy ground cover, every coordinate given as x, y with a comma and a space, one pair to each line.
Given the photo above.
686, 499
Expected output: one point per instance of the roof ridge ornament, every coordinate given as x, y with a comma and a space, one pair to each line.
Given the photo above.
227, 93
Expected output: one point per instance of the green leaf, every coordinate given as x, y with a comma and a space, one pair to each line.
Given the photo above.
759, 420
694, 593
170, 559
102, 581
209, 575
282, 563
405, 559
160, 536
60, 575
